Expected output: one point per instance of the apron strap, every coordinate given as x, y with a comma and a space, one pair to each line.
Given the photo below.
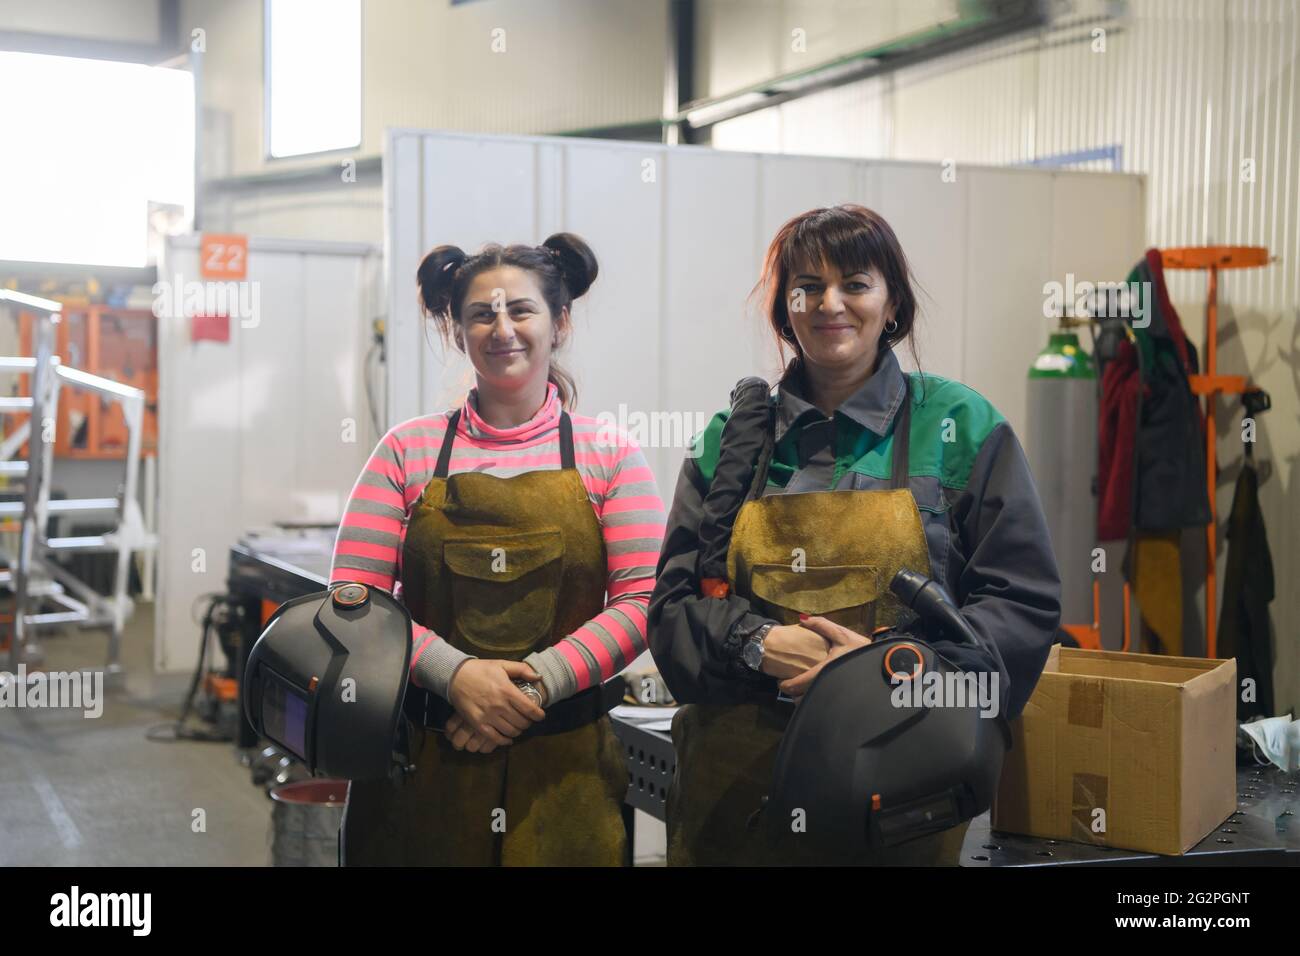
902, 436
566, 441
567, 457
449, 437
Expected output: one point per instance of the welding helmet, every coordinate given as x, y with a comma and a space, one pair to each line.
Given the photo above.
327, 678
870, 760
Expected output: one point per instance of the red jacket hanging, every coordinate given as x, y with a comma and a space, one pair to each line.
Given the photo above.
1151, 462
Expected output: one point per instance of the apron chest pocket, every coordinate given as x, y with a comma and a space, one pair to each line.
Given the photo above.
504, 588
845, 594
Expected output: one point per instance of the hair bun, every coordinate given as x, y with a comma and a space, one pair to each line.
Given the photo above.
435, 276
577, 262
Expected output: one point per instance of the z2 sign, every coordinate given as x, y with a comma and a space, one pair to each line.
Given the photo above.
223, 256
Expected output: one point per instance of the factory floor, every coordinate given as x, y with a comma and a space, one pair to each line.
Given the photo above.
78, 791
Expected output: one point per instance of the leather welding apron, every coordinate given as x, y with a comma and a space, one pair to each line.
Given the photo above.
499, 567
828, 553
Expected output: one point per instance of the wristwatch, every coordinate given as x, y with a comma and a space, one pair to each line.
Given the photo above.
752, 650
530, 691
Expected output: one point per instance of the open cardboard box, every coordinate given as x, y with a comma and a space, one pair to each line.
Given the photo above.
1125, 750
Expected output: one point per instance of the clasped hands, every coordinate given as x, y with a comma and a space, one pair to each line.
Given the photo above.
490, 710
796, 653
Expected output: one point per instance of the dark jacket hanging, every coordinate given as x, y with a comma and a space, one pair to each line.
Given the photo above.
1244, 629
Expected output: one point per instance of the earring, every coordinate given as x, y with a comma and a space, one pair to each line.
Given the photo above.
787, 332
891, 331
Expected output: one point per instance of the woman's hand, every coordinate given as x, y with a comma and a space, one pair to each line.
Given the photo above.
488, 703
461, 736
840, 639
791, 649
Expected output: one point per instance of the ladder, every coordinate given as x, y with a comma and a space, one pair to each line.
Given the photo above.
33, 577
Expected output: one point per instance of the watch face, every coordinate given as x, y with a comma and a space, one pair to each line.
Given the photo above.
753, 654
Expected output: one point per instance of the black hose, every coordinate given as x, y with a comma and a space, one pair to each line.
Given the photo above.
167, 733
741, 471
929, 600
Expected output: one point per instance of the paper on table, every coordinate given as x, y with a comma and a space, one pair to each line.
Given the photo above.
647, 718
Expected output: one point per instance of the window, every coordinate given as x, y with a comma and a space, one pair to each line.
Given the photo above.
313, 76
89, 145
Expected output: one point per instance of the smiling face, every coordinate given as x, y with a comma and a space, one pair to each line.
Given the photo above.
506, 329
837, 318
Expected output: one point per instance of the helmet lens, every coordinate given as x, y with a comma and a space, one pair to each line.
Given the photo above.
284, 712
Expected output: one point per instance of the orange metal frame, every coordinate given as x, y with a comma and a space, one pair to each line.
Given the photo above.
1089, 635
1210, 384
104, 354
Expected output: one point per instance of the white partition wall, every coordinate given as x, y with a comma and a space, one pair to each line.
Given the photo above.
272, 425
680, 232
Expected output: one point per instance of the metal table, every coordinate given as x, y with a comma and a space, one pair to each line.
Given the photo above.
1264, 831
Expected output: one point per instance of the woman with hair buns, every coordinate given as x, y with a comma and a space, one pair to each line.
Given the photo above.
524, 548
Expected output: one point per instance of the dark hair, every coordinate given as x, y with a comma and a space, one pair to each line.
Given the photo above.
565, 268
852, 238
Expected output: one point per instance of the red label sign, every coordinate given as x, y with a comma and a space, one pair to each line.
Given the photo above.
223, 256
214, 328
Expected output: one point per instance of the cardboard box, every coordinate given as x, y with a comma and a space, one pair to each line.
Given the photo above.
1126, 750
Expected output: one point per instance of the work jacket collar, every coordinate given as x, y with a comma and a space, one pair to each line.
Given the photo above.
872, 406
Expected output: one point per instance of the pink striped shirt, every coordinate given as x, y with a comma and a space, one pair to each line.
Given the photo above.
620, 486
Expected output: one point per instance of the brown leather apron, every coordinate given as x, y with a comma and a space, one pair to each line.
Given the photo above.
826, 553
499, 567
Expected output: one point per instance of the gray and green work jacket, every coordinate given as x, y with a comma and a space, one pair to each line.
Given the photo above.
984, 526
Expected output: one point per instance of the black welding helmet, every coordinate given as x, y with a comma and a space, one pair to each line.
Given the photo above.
870, 760
327, 678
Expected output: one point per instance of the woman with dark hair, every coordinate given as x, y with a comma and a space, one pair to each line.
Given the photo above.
523, 542
871, 470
